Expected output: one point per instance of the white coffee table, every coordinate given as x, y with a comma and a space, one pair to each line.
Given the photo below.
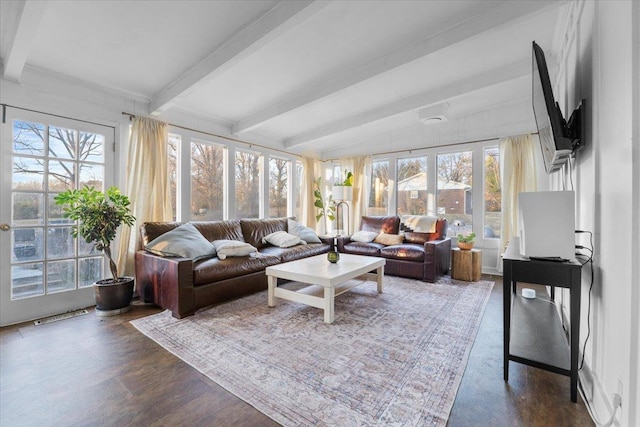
326, 280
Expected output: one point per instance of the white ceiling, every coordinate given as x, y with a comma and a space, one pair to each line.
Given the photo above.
316, 77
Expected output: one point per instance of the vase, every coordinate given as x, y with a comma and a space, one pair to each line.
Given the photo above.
465, 246
333, 256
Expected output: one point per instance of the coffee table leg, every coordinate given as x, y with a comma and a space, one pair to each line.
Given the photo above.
272, 281
380, 277
329, 300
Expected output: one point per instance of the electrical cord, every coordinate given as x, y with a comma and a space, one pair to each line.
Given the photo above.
588, 258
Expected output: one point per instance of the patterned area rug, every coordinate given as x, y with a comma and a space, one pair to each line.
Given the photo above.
392, 359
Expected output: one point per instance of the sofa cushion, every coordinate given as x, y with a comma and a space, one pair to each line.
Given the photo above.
233, 248
406, 252
214, 269
282, 239
254, 230
389, 239
386, 224
360, 248
304, 233
150, 231
184, 241
296, 252
220, 230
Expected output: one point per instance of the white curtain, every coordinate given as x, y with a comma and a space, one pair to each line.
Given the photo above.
147, 185
361, 169
517, 174
312, 170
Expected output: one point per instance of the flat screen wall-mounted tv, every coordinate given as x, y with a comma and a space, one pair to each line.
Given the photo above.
558, 139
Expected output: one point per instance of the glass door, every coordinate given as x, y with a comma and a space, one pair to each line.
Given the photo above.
43, 269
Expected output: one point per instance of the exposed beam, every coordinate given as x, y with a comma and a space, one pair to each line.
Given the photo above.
499, 17
27, 22
281, 18
440, 94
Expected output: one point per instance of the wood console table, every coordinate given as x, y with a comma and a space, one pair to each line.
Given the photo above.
554, 274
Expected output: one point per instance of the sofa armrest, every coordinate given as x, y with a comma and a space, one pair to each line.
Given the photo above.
437, 258
341, 241
328, 240
167, 282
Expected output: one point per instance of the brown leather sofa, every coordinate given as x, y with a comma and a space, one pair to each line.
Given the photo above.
183, 286
421, 255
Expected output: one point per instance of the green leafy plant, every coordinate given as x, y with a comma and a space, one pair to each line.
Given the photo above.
326, 208
347, 181
99, 217
466, 239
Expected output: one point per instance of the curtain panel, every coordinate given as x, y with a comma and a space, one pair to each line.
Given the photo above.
147, 185
517, 174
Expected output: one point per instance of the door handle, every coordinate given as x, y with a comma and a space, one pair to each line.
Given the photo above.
5, 227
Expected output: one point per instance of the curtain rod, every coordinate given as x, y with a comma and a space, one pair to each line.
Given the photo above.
250, 144
451, 144
4, 106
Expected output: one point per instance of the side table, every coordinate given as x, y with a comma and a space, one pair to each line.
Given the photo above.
466, 265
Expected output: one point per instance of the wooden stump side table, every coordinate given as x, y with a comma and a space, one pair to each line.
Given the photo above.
466, 265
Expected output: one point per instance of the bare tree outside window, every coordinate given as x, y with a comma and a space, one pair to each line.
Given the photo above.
412, 186
492, 193
455, 191
247, 176
207, 181
173, 148
278, 187
379, 192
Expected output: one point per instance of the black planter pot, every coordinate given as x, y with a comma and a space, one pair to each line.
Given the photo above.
113, 298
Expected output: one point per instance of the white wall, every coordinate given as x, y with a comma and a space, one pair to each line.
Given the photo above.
595, 63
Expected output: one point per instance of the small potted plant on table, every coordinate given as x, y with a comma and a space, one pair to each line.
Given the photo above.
99, 217
466, 242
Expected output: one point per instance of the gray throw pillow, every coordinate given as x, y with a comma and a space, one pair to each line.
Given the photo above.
184, 241
304, 233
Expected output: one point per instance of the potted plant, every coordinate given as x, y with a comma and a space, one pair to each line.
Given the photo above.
326, 209
99, 217
343, 190
466, 242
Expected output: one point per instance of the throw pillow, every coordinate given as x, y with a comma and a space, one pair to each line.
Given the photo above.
282, 239
231, 248
184, 241
389, 239
364, 236
304, 233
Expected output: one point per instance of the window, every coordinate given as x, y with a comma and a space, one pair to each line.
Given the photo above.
47, 160
247, 179
412, 181
379, 191
207, 181
278, 187
173, 145
455, 191
492, 193
300, 176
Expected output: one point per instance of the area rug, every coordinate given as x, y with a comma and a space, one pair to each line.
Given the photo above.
392, 359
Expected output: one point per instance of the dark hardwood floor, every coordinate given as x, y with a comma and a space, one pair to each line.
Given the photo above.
92, 371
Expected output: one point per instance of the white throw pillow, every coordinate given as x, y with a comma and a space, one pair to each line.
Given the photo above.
304, 233
282, 239
184, 241
389, 239
364, 236
231, 248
